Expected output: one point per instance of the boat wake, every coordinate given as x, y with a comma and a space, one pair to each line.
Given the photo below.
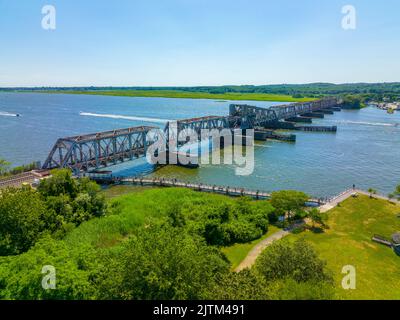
364, 123
7, 114
117, 116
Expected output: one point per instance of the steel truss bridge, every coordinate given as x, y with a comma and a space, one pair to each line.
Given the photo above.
252, 117
90, 152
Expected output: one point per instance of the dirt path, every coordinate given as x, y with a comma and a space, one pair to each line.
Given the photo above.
258, 248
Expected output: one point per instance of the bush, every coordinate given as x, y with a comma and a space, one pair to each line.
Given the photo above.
298, 261
76, 270
60, 203
163, 263
21, 219
288, 202
289, 289
243, 285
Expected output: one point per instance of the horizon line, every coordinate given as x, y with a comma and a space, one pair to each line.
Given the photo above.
199, 86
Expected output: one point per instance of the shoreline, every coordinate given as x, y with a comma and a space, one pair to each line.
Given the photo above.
178, 95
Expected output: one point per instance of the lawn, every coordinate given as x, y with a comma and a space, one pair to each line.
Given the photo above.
116, 191
237, 252
348, 242
187, 95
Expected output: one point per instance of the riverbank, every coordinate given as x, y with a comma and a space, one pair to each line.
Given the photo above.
184, 95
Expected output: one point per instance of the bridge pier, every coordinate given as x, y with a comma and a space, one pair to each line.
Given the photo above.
326, 111
280, 125
299, 119
270, 134
313, 115
317, 128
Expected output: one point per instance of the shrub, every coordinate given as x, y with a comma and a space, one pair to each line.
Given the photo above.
297, 261
21, 219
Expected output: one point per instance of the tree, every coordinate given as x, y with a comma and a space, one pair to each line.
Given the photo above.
297, 261
4, 166
243, 285
71, 200
162, 263
21, 219
352, 102
288, 202
77, 268
317, 217
60, 182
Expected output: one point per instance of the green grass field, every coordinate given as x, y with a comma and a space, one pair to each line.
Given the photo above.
348, 242
188, 95
237, 252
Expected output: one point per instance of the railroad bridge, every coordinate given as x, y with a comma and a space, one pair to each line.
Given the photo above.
90, 152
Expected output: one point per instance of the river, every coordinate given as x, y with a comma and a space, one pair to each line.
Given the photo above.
365, 151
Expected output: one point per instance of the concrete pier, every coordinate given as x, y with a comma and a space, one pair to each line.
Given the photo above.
263, 135
325, 111
337, 109
317, 128
281, 125
299, 119
314, 115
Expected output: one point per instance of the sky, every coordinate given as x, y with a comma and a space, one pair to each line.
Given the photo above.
197, 42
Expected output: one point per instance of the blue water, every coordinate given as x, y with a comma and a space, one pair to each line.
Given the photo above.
365, 150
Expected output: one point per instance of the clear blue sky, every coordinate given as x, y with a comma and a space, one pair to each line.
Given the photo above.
197, 42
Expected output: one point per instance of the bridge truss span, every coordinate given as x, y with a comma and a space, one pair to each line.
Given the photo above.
93, 151
252, 116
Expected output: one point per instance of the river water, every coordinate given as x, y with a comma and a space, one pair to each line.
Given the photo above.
365, 151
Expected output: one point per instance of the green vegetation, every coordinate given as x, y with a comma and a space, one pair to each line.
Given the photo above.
6, 171
189, 95
162, 262
285, 272
288, 204
318, 218
21, 219
281, 92
237, 252
150, 244
354, 101
348, 242
172, 243
4, 165
59, 204
395, 194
